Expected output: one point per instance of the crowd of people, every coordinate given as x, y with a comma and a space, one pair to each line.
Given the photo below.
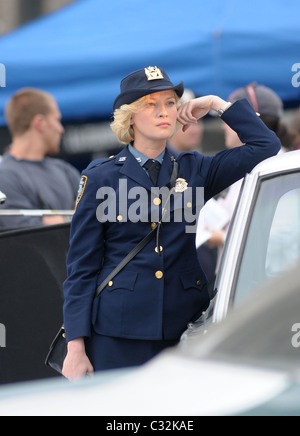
131, 324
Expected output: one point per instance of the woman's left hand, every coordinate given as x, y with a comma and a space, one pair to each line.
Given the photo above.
191, 111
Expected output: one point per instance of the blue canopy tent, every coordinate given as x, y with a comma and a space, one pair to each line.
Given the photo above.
81, 52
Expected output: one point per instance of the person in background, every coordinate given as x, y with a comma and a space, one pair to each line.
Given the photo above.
269, 106
296, 126
190, 140
28, 176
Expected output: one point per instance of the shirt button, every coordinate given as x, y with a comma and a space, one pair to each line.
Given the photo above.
156, 201
159, 275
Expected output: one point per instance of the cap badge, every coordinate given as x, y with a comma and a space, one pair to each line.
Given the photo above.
153, 73
181, 185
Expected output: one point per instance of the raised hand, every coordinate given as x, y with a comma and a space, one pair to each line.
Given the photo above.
191, 111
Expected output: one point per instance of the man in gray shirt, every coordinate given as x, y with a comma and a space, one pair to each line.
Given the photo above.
29, 178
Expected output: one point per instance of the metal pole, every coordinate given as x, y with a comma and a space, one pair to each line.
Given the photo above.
35, 212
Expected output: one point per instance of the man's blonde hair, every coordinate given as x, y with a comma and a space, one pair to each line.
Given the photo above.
23, 106
122, 116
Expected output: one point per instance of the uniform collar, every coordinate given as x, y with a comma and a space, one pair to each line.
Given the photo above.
141, 158
133, 170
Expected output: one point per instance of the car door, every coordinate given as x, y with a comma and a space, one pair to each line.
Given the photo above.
264, 239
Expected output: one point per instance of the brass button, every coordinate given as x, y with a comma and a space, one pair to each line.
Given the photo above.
156, 201
64, 335
189, 204
159, 275
153, 225
160, 249
110, 157
198, 282
119, 217
110, 283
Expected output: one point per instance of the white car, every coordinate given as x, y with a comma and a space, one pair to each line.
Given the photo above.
263, 239
247, 364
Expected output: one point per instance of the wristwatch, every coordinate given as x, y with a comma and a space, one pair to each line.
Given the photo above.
221, 111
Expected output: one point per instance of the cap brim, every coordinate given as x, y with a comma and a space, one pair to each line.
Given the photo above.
133, 95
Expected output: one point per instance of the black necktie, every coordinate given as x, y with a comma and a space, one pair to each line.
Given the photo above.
153, 167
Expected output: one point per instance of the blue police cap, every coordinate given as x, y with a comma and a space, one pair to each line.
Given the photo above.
143, 82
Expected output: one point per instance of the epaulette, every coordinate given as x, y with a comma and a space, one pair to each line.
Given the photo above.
98, 162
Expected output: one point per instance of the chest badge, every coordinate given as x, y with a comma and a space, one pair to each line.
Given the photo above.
181, 185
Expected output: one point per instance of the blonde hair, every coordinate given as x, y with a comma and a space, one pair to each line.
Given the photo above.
23, 106
122, 116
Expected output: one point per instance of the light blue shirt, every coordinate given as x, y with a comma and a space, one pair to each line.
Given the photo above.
142, 159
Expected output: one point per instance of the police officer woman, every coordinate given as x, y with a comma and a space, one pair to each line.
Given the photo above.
148, 304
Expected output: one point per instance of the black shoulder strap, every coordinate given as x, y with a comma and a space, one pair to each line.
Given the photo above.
126, 260
142, 243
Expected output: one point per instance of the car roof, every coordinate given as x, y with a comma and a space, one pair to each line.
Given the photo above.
281, 162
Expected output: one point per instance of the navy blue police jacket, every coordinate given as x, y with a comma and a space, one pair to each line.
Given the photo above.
160, 291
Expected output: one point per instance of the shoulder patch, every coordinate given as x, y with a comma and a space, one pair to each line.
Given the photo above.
81, 189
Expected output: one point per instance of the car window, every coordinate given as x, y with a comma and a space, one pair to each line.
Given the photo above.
284, 241
273, 239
